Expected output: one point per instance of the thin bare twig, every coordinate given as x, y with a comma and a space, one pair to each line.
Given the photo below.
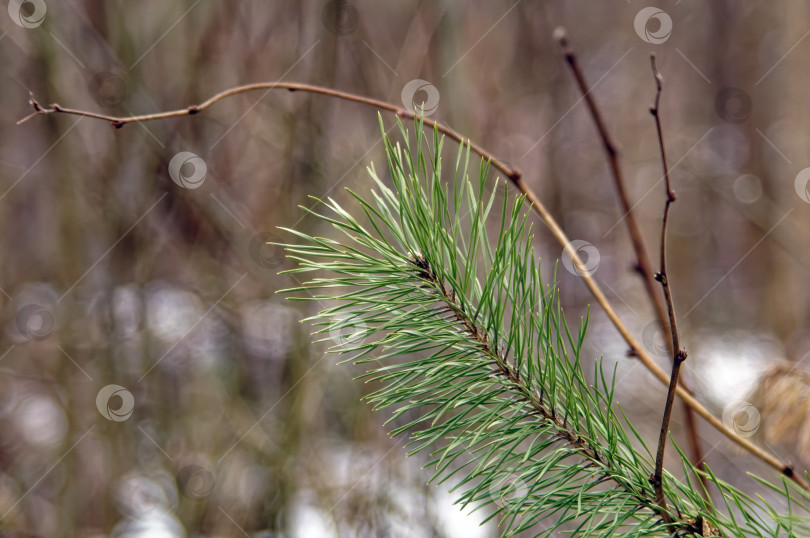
679, 355
514, 175
643, 266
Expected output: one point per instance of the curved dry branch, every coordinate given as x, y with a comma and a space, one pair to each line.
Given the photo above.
512, 173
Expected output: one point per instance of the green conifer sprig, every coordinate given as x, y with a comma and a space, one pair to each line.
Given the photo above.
480, 367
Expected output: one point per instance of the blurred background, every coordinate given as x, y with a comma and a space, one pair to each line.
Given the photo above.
152, 381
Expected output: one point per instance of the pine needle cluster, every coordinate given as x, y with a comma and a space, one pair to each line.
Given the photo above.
442, 288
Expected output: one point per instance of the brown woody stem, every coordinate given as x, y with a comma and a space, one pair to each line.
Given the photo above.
514, 175
642, 264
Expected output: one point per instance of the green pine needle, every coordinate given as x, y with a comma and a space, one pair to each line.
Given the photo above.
442, 292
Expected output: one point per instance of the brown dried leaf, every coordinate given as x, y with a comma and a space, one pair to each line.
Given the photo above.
782, 398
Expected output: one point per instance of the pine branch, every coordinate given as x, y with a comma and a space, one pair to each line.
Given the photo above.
514, 176
462, 335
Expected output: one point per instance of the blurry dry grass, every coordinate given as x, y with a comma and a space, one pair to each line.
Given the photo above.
239, 420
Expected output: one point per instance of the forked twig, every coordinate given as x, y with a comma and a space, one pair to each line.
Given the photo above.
643, 266
514, 175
